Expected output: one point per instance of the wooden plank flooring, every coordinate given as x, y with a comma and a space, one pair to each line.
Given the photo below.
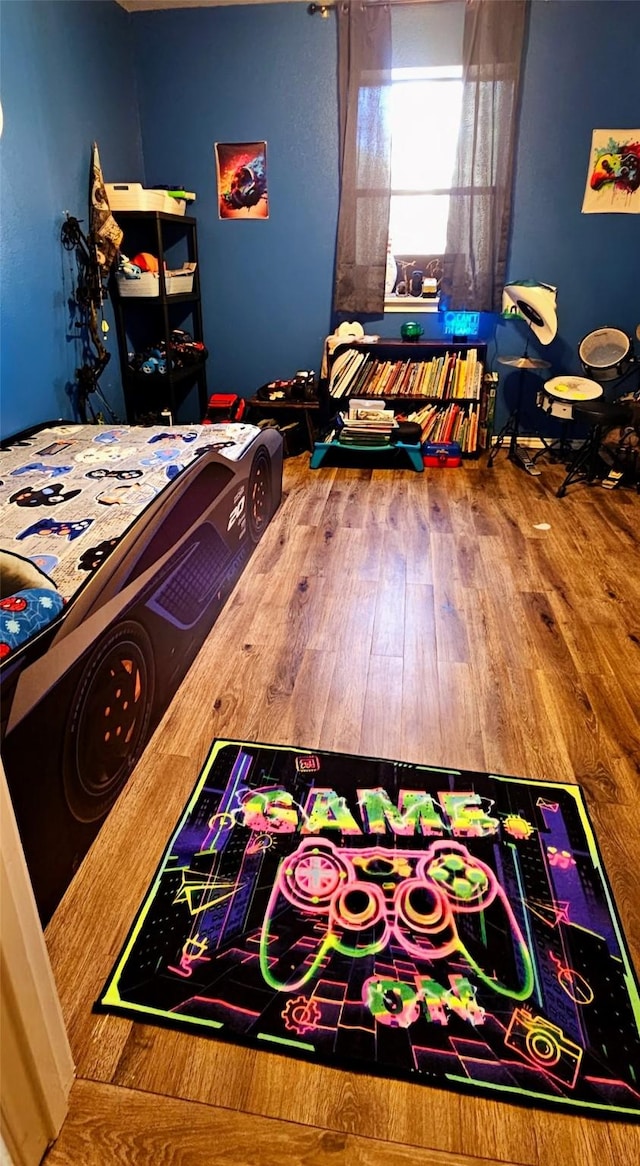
425, 617
117, 1126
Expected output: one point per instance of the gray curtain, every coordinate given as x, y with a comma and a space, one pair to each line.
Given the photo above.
480, 207
364, 81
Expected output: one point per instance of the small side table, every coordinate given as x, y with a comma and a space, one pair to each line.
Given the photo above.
304, 412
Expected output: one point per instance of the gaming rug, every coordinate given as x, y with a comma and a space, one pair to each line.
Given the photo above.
453, 928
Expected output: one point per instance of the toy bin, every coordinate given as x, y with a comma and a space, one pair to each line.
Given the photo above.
131, 196
180, 280
148, 283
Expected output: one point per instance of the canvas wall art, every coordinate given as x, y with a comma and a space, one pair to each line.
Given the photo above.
613, 176
241, 169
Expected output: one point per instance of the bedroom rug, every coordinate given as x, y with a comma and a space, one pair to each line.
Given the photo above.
453, 928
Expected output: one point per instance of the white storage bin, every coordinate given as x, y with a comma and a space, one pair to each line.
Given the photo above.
131, 196
180, 280
148, 284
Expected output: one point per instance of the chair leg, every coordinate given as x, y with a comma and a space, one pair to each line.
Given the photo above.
587, 456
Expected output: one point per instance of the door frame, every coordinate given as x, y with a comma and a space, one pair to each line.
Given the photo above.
37, 1068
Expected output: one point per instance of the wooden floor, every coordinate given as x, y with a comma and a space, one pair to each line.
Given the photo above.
464, 618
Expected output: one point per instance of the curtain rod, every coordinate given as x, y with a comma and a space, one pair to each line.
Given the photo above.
325, 9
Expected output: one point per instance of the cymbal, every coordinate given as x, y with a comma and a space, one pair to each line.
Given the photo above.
524, 362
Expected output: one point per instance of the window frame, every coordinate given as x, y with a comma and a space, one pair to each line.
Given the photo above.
410, 303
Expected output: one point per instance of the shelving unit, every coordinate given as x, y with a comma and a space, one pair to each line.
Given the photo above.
144, 321
439, 385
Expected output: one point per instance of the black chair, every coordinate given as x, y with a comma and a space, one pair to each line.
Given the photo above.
601, 416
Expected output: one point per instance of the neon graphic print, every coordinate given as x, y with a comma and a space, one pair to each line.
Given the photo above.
455, 928
613, 177
241, 171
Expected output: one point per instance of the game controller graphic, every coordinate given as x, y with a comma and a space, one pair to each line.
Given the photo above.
358, 901
68, 530
188, 437
122, 475
94, 455
160, 457
46, 496
41, 468
110, 436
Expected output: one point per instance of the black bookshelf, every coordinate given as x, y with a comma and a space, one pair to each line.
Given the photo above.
388, 353
146, 321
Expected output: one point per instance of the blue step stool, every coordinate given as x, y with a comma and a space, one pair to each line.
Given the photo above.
322, 448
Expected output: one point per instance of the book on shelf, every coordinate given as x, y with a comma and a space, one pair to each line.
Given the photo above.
451, 418
362, 379
452, 375
366, 423
357, 403
365, 435
372, 411
348, 365
367, 426
390, 377
384, 423
449, 394
453, 422
410, 380
348, 436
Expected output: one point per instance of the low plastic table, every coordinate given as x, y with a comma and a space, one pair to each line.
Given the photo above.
322, 448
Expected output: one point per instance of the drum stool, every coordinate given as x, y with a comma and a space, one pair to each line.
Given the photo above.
559, 397
602, 416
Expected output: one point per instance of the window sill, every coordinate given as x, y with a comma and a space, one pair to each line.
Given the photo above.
410, 305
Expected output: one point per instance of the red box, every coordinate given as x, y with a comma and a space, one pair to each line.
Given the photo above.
442, 454
224, 407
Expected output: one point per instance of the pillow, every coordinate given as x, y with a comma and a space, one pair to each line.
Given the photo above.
18, 574
24, 614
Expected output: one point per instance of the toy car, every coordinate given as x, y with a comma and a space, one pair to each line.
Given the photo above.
185, 350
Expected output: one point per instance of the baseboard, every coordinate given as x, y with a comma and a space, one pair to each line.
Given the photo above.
532, 442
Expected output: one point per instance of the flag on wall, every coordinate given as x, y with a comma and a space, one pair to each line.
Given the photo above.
105, 233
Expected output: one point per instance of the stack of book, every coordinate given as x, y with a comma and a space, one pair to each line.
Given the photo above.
453, 423
453, 375
366, 423
349, 369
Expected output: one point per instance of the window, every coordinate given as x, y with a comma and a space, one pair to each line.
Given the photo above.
425, 118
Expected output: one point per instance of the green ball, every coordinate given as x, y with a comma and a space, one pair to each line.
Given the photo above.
411, 331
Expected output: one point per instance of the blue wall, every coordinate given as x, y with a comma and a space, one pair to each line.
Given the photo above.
265, 72
67, 79
583, 64
582, 69
268, 72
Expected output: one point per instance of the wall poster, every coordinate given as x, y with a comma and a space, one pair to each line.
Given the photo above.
241, 169
613, 176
